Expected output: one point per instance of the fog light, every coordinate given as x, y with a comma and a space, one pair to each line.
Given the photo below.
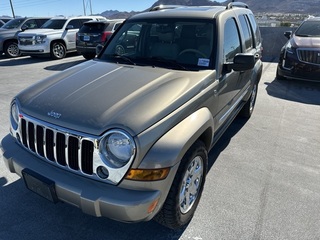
102, 172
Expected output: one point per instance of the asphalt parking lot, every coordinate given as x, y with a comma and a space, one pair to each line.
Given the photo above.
263, 182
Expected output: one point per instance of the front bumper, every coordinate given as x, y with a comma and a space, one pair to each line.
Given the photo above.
290, 66
92, 197
34, 49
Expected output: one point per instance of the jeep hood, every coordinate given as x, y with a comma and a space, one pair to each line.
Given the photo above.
95, 96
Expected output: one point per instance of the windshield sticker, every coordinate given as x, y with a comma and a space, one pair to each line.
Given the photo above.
204, 62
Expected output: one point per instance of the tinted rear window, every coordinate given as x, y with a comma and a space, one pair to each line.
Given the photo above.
92, 28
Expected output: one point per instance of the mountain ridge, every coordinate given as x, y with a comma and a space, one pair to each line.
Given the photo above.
311, 7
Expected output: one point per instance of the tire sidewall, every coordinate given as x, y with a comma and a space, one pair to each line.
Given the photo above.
6, 50
198, 150
53, 55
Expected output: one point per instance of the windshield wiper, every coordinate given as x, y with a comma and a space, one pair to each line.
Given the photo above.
127, 59
303, 35
168, 62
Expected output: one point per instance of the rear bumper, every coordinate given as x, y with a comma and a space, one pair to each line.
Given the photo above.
84, 50
92, 197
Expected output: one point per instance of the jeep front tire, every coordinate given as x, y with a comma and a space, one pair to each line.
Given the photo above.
186, 189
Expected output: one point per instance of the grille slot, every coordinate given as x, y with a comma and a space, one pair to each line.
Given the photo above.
309, 56
58, 147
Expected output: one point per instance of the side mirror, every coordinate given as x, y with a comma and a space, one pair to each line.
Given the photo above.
241, 62
69, 27
99, 48
23, 28
287, 34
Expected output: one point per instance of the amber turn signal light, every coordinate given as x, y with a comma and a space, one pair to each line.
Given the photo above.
147, 174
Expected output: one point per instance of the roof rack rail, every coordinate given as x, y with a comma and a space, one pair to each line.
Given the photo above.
163, 7
236, 4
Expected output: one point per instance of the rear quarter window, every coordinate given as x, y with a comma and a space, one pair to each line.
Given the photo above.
92, 28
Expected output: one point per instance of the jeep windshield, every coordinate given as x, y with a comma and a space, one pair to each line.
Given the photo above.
54, 24
168, 43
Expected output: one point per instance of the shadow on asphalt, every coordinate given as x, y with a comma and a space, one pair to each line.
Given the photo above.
225, 139
294, 90
64, 66
25, 60
34, 217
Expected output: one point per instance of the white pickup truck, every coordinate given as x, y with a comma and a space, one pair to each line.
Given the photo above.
56, 37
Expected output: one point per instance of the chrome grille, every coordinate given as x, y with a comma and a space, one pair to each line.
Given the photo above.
309, 56
26, 41
58, 147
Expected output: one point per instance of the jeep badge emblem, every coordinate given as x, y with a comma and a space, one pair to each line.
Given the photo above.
54, 114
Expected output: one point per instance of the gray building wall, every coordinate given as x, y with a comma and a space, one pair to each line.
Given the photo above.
273, 40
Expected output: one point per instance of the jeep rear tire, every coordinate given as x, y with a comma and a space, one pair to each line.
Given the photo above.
58, 50
248, 108
11, 49
186, 189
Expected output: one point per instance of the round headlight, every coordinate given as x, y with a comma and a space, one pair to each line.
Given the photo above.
118, 148
14, 115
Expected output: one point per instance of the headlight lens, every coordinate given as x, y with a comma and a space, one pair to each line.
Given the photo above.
40, 38
289, 48
117, 148
14, 115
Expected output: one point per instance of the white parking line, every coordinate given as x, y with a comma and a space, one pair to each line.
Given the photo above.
12, 59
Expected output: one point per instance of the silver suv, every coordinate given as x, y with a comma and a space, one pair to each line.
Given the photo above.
55, 38
127, 135
9, 33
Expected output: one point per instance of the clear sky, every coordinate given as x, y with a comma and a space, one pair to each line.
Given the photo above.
36, 8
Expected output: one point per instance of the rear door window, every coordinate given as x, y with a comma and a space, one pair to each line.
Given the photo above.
93, 28
231, 44
248, 39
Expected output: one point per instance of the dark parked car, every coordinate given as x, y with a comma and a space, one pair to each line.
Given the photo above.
300, 56
9, 33
93, 33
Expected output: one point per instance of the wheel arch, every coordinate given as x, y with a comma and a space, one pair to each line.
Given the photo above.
10, 40
255, 77
172, 146
58, 41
